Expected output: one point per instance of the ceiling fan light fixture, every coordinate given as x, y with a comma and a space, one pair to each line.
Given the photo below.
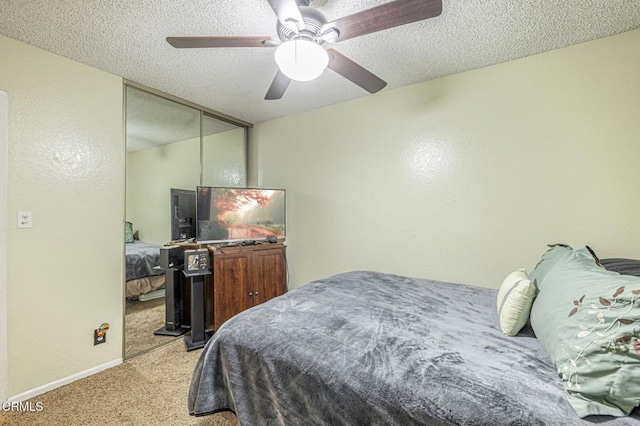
301, 59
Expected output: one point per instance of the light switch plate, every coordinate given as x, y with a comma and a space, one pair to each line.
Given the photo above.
24, 219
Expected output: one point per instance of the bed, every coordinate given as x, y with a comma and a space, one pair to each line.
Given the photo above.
367, 348
142, 277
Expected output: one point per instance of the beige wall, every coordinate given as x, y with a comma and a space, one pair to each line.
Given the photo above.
66, 165
224, 159
467, 177
3, 245
151, 173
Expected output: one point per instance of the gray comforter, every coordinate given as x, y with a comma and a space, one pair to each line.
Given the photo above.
366, 348
141, 259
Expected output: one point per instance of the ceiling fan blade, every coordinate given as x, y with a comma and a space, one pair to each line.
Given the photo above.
354, 72
288, 14
385, 16
206, 41
278, 86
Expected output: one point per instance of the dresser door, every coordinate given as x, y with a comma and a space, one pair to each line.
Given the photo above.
231, 286
270, 274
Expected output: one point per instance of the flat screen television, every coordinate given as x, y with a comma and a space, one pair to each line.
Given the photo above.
228, 215
183, 214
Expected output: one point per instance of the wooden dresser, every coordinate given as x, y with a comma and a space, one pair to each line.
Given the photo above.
245, 276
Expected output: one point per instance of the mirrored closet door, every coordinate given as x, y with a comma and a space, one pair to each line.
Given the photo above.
172, 147
224, 153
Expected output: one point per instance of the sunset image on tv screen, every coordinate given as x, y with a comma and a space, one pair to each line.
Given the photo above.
227, 214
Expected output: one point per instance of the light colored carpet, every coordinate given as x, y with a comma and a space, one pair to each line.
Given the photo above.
140, 321
151, 389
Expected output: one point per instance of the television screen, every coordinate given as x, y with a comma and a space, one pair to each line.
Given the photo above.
238, 214
183, 214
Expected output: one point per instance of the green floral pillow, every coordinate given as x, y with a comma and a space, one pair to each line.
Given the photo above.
588, 320
548, 261
128, 232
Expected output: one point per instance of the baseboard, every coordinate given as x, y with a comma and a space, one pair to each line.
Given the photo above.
65, 381
156, 294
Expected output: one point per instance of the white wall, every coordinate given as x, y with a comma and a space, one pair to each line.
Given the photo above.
66, 165
151, 173
224, 159
467, 177
3, 246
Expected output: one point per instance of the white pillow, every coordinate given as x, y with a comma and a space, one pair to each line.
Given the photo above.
515, 298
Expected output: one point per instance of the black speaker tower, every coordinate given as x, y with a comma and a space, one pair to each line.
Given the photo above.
173, 305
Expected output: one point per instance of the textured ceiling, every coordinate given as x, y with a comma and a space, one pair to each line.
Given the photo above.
127, 38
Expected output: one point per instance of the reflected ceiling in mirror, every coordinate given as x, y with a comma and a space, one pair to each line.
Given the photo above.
153, 121
212, 126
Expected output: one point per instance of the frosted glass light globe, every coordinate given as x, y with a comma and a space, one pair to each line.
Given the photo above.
301, 60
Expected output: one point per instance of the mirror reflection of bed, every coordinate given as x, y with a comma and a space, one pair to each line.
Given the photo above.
144, 292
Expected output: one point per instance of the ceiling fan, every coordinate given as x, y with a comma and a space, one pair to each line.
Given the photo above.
302, 30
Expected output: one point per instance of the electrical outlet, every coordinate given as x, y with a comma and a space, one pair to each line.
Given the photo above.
99, 337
